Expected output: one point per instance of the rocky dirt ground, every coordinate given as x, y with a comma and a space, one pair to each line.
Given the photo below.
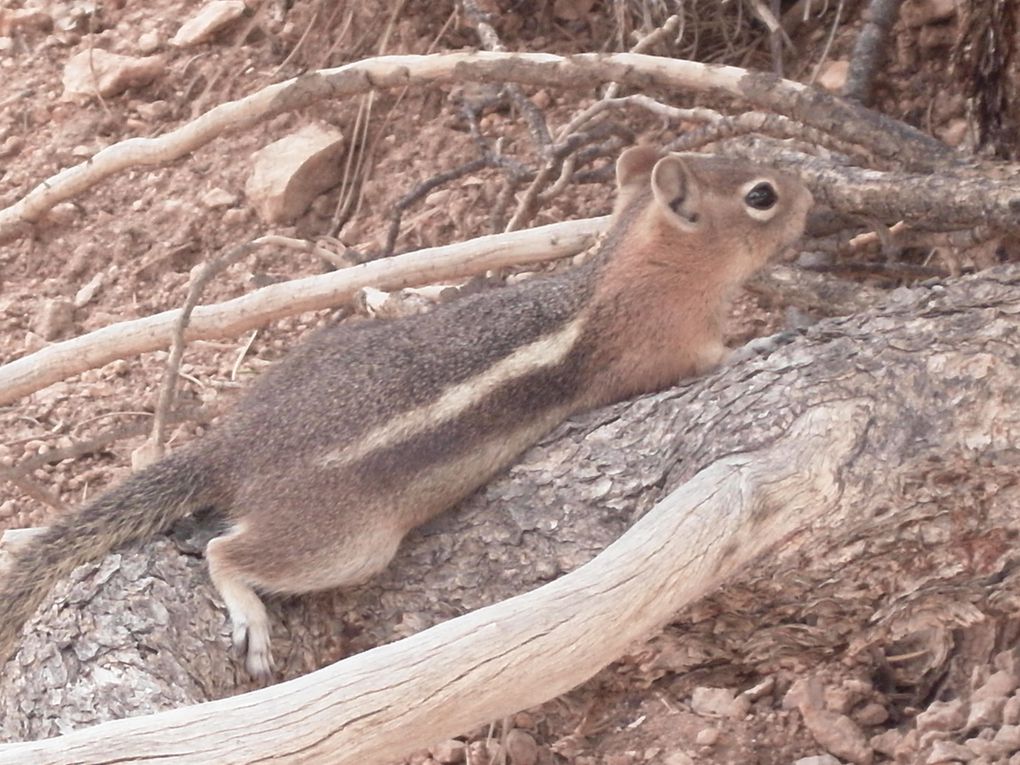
127, 248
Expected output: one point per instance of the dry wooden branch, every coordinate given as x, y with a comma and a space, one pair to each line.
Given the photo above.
450, 678
422, 190
805, 448
884, 136
766, 124
61, 360
153, 448
198, 415
491, 42
558, 155
31, 489
933, 202
870, 49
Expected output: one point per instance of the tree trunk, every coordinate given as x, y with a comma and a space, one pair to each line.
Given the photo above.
868, 470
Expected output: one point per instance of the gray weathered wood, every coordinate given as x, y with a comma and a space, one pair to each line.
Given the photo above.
872, 461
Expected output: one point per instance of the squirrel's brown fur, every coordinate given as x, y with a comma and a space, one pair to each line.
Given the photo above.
365, 431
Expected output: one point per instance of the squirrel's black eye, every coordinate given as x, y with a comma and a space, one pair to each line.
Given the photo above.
762, 196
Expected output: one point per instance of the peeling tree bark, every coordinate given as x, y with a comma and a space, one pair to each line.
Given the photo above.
863, 469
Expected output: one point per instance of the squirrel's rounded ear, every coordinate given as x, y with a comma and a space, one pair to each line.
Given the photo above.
635, 164
676, 189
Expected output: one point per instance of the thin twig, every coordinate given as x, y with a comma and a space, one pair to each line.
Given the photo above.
32, 489
99, 442
154, 447
828, 44
774, 125
422, 190
527, 206
490, 41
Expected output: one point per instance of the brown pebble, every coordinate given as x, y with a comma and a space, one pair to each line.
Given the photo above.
450, 751
521, 747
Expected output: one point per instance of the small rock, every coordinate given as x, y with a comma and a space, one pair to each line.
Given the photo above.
542, 99
833, 75
1007, 738
55, 318
212, 18
524, 720
985, 712
15, 19
100, 72
707, 737
906, 749
798, 695
949, 751
942, 715
886, 742
149, 42
521, 747
838, 699
288, 174
235, 216
756, 692
620, 758
818, 759
999, 685
936, 37
11, 146
449, 751
153, 110
916, 13
483, 751
871, 714
1011, 711
838, 734
718, 702
64, 213
981, 746
954, 132
87, 292
215, 198
678, 758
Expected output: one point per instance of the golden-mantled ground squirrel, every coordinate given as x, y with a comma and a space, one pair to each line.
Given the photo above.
367, 430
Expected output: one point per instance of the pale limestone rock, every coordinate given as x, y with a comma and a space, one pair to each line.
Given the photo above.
949, 751
916, 13
215, 198
707, 737
818, 759
54, 319
942, 716
212, 18
521, 747
97, 71
838, 734
986, 712
450, 751
718, 702
288, 174
149, 42
833, 75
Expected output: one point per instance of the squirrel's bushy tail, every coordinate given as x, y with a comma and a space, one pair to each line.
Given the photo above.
140, 507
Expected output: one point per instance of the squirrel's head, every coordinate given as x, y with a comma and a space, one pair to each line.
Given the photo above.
724, 208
